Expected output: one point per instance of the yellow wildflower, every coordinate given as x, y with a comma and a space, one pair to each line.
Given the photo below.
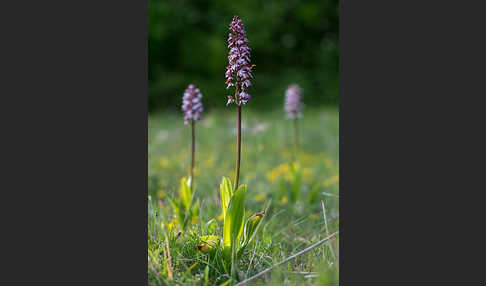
220, 217
164, 162
260, 197
308, 159
172, 224
282, 169
332, 180
307, 173
209, 163
273, 175
327, 162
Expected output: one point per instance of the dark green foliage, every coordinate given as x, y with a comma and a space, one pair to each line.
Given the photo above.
291, 41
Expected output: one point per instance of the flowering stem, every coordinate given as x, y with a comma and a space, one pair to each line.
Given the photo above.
296, 137
238, 142
193, 148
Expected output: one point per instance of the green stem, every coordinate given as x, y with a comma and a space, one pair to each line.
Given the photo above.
238, 142
193, 148
296, 137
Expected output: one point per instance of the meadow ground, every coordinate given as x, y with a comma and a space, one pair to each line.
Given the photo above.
295, 217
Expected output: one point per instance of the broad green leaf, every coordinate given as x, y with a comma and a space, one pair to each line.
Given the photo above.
175, 206
179, 211
238, 218
195, 208
185, 193
251, 225
226, 192
234, 219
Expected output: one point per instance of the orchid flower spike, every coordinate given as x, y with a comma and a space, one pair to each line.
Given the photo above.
238, 72
191, 104
293, 101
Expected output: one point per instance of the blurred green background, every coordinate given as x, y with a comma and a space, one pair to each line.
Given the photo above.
291, 41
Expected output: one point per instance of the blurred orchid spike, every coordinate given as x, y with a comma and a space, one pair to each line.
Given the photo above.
238, 72
293, 104
191, 104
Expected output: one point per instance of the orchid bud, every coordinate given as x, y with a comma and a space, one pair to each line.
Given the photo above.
252, 224
208, 243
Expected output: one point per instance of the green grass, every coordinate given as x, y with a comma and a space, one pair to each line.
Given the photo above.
293, 221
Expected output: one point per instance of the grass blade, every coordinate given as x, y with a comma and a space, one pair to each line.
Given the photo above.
288, 259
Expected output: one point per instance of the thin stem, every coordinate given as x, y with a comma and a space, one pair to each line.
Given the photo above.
193, 149
296, 137
238, 142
